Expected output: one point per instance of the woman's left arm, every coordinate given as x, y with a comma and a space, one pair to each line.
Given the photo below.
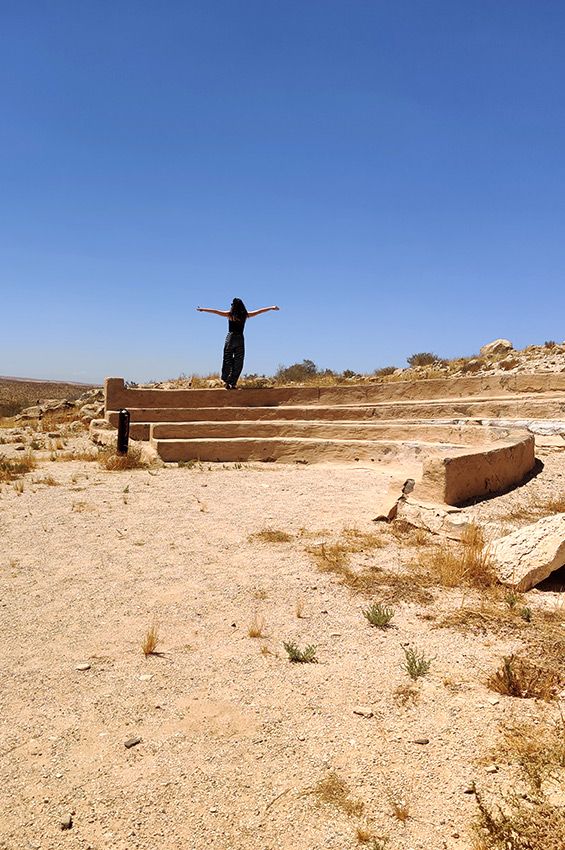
262, 310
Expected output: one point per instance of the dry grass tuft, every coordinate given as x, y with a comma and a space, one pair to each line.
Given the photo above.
109, 459
13, 468
524, 678
48, 480
257, 627
467, 563
406, 695
270, 535
334, 558
150, 641
537, 748
520, 824
335, 792
400, 806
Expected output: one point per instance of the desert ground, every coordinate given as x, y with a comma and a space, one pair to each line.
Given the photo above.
232, 744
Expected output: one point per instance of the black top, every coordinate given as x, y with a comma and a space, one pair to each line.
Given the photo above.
235, 326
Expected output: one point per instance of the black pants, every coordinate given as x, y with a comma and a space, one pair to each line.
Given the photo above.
234, 352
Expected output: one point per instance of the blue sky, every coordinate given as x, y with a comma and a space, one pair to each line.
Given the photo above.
390, 173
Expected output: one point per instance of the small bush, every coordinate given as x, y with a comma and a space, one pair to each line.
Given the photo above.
423, 358
296, 373
109, 459
416, 664
523, 678
379, 615
13, 468
300, 656
384, 371
550, 343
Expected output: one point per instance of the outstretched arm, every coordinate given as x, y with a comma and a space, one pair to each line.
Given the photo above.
262, 310
223, 313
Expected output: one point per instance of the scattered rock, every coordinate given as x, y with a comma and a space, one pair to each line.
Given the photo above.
131, 742
363, 711
67, 822
421, 741
470, 788
439, 519
527, 556
84, 666
491, 768
494, 700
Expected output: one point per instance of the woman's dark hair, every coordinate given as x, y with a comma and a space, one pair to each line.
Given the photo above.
238, 310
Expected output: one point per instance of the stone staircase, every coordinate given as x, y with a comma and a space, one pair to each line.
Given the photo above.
410, 424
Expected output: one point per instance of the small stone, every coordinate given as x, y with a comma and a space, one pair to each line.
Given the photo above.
363, 711
67, 822
491, 768
470, 788
494, 700
145, 677
421, 741
84, 666
213, 810
131, 742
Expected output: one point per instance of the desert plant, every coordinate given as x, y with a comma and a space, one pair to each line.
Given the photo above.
335, 791
300, 656
109, 459
378, 614
405, 694
13, 468
524, 678
271, 535
296, 373
399, 805
511, 599
468, 562
150, 641
415, 663
384, 370
423, 358
257, 627
526, 614
531, 824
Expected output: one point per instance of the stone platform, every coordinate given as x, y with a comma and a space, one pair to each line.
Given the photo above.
460, 438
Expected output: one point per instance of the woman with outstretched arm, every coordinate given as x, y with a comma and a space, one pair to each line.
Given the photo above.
234, 347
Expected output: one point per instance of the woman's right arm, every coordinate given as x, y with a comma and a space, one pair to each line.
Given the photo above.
223, 313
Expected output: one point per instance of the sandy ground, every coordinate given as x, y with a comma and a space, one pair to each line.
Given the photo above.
233, 738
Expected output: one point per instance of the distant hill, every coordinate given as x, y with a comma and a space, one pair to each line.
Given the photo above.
17, 393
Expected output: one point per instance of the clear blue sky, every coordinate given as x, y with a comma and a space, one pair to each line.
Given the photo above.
390, 173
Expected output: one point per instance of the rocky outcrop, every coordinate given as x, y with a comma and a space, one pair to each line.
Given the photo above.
496, 347
90, 405
527, 556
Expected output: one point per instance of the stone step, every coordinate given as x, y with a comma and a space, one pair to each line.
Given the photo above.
300, 449
466, 434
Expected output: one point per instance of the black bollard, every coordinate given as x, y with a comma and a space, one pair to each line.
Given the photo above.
123, 431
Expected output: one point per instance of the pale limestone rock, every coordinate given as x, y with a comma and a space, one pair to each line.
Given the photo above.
439, 519
527, 556
497, 346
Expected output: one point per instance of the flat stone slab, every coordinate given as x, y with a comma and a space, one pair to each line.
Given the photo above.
527, 556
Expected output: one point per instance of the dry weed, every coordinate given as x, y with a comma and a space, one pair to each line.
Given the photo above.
299, 608
406, 694
14, 468
109, 459
150, 641
335, 792
524, 678
466, 563
399, 805
270, 535
537, 748
257, 627
48, 480
520, 824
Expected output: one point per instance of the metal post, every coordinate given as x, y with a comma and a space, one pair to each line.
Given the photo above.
123, 431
